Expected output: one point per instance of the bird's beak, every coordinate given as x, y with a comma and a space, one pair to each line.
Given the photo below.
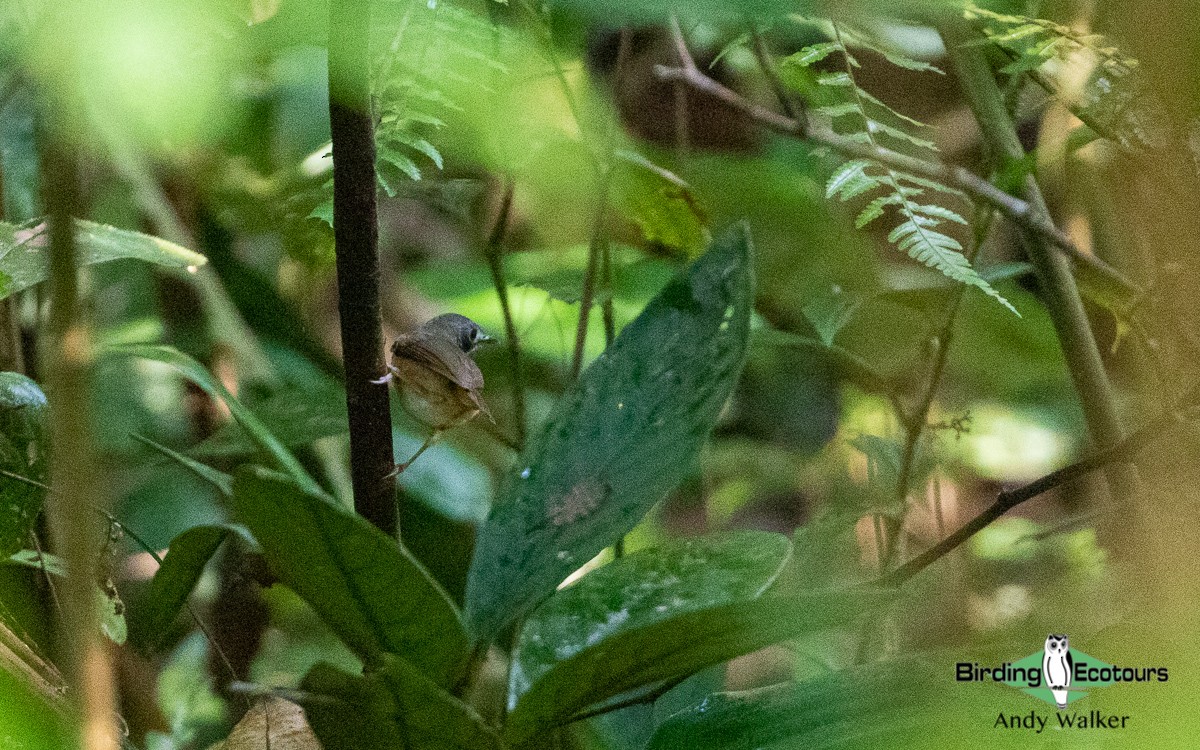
484, 339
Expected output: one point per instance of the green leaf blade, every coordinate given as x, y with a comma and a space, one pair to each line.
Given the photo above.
25, 261
619, 440
371, 591
23, 452
589, 641
172, 584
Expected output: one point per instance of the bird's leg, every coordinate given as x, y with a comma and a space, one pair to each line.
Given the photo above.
387, 378
437, 435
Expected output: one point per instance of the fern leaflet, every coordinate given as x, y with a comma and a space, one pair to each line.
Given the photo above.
862, 118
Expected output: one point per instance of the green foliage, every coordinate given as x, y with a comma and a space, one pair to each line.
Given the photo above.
656, 615
181, 568
24, 449
1036, 41
195, 372
864, 118
395, 706
618, 440
365, 586
880, 705
25, 262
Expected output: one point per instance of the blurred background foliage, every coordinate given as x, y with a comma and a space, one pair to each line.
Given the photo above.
206, 124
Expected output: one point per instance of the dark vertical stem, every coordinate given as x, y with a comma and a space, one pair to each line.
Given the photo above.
1059, 292
356, 239
494, 252
75, 535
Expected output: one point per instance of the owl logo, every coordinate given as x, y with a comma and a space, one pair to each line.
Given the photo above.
1057, 667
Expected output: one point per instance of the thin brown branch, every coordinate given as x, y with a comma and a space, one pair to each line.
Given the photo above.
1019, 211
356, 236
1122, 452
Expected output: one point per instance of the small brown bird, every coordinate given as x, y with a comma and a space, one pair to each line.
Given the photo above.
438, 382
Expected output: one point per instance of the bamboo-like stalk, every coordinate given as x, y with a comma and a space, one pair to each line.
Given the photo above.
75, 534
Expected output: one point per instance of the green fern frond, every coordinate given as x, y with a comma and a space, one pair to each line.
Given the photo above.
942, 253
813, 53
935, 211
878, 127
859, 117
850, 180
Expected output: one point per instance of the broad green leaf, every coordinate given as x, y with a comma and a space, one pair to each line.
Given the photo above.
675, 648
19, 155
601, 636
157, 608
354, 712
195, 372
370, 590
23, 452
25, 261
52, 564
622, 436
432, 717
662, 205
395, 706
879, 705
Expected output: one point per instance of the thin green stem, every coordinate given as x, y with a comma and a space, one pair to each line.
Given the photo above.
493, 252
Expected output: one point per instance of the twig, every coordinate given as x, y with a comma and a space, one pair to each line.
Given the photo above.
683, 135
493, 251
1020, 211
1059, 291
356, 236
1009, 499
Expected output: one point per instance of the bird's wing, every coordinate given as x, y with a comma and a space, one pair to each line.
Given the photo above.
442, 356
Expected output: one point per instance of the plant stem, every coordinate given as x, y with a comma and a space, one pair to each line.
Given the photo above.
356, 237
1024, 214
493, 252
75, 535
1058, 289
